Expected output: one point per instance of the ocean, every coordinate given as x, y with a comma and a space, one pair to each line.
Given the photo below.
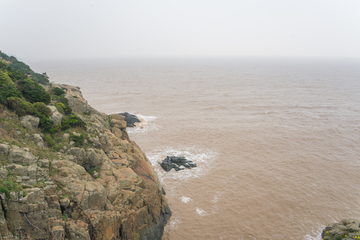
276, 140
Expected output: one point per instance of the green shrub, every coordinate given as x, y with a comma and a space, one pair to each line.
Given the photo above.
33, 92
4, 78
56, 128
79, 140
72, 121
15, 75
7, 87
50, 142
7, 186
20, 67
42, 108
58, 91
40, 78
45, 123
60, 107
65, 102
21, 107
7, 91
88, 113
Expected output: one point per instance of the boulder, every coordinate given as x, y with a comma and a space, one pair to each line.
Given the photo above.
56, 117
178, 163
4, 149
39, 140
347, 227
118, 117
92, 159
76, 101
130, 119
77, 230
119, 124
30, 122
3, 173
78, 153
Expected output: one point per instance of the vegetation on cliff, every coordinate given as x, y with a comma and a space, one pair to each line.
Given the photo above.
68, 171
25, 69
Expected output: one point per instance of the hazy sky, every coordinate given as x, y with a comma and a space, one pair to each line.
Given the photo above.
43, 29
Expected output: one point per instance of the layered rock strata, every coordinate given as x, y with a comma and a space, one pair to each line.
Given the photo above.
107, 191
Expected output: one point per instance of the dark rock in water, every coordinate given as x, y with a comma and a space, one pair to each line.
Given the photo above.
179, 163
130, 119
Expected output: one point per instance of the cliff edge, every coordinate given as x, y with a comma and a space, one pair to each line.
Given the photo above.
88, 182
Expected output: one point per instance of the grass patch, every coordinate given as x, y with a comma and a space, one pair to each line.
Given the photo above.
92, 170
9, 185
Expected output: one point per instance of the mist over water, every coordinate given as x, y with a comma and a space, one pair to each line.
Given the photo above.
276, 140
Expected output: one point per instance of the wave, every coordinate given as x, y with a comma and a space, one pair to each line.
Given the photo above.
201, 212
174, 223
185, 199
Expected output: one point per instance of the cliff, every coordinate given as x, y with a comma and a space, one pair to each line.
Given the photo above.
75, 176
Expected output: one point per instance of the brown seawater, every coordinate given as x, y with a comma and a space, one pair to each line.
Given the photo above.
276, 140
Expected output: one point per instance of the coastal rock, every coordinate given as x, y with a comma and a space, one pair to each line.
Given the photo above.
55, 116
30, 122
39, 140
4, 149
178, 163
346, 229
130, 119
119, 124
77, 230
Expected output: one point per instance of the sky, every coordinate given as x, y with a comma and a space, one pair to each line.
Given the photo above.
85, 29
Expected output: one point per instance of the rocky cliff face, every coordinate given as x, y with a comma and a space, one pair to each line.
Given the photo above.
107, 190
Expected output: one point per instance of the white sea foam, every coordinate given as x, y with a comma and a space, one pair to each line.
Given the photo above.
185, 199
202, 157
147, 123
315, 235
201, 212
174, 223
